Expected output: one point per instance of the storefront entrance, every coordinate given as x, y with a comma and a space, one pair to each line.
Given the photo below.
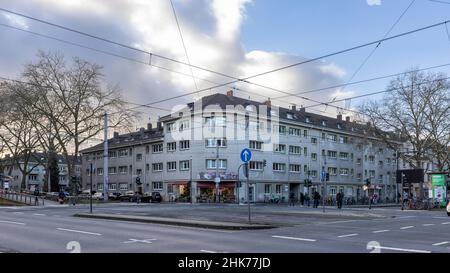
207, 192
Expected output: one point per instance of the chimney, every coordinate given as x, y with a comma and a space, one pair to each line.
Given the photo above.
347, 119
230, 93
141, 130
339, 117
268, 102
159, 125
149, 126
294, 108
116, 134
302, 110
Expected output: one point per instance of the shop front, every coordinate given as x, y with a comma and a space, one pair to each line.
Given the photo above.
178, 191
207, 192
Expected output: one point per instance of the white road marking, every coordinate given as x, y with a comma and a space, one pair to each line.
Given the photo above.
348, 235
408, 227
294, 238
440, 217
18, 212
402, 249
405, 217
145, 241
380, 231
207, 251
446, 223
79, 231
441, 243
337, 222
427, 225
14, 223
39, 214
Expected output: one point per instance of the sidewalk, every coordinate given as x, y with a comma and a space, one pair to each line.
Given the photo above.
174, 221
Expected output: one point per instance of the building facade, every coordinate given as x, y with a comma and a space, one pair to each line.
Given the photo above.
36, 178
195, 153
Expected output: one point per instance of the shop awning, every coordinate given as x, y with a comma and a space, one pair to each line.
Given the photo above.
178, 183
212, 185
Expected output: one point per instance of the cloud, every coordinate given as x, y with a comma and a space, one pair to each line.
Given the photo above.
373, 2
211, 31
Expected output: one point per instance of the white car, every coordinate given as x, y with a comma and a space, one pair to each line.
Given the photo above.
98, 195
448, 208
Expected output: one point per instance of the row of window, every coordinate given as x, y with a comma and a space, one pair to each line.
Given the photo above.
156, 186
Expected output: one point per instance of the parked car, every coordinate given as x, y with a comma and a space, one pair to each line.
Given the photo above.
156, 197
98, 196
127, 197
448, 208
114, 195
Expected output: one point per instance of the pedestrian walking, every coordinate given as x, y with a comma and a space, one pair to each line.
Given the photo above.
302, 198
307, 200
316, 198
292, 199
339, 199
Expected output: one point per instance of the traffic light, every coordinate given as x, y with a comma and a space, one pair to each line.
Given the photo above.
368, 182
264, 163
327, 177
138, 180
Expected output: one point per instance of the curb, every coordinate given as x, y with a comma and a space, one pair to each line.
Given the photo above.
176, 222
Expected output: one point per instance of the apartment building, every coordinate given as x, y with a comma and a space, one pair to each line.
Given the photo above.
192, 149
36, 178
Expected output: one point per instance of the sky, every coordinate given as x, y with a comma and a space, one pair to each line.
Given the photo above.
235, 37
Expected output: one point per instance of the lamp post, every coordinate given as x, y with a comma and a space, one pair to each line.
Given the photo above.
190, 180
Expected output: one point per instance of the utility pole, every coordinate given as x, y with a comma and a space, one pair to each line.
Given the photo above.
90, 191
190, 180
217, 179
105, 159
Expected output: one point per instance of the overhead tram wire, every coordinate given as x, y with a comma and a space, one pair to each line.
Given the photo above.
245, 79
301, 63
376, 47
364, 81
182, 41
183, 74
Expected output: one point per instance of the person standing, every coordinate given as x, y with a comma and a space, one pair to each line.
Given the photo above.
316, 198
307, 200
339, 199
292, 199
302, 198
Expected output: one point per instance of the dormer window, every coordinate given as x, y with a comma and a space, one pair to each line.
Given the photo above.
308, 120
290, 116
339, 126
324, 123
249, 108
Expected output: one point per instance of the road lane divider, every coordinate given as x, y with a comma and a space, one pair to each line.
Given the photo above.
13, 223
294, 238
79, 231
380, 231
441, 243
427, 225
402, 249
348, 235
408, 227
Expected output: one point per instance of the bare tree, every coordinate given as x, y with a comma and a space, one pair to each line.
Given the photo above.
17, 133
415, 109
73, 99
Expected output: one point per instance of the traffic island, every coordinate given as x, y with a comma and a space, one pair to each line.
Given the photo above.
176, 222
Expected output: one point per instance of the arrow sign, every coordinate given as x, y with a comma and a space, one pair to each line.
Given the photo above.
246, 155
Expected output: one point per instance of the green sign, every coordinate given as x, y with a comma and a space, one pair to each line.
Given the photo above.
439, 188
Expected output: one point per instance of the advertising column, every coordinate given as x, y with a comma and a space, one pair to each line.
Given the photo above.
439, 188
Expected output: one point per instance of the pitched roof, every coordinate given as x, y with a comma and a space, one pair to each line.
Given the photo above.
130, 139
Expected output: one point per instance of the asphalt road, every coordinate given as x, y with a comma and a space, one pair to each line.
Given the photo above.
54, 229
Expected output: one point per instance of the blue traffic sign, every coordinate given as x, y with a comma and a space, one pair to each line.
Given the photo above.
246, 155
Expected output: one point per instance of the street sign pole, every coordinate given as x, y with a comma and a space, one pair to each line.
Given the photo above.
246, 155
90, 192
248, 192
